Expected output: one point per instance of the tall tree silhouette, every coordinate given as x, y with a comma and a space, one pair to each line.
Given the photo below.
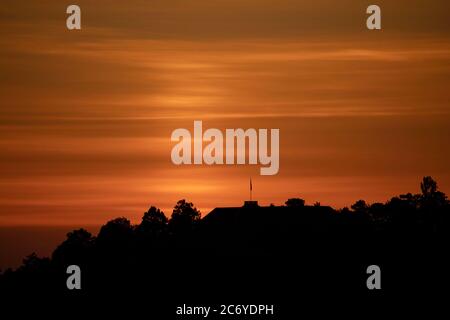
153, 228
433, 204
153, 221
431, 197
185, 217
428, 186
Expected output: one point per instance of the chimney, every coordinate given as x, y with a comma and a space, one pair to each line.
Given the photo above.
251, 204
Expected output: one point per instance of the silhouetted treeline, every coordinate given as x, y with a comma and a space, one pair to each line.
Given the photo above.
230, 245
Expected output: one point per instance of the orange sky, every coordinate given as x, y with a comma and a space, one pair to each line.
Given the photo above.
86, 116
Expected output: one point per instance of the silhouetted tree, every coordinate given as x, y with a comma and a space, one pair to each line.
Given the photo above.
153, 226
295, 202
432, 198
377, 212
34, 274
75, 249
433, 204
115, 229
115, 236
154, 217
410, 200
186, 211
428, 186
360, 206
184, 217
32, 263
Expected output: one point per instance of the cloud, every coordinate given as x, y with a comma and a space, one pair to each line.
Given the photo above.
86, 116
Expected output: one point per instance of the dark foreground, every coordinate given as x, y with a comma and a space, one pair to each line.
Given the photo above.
298, 258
